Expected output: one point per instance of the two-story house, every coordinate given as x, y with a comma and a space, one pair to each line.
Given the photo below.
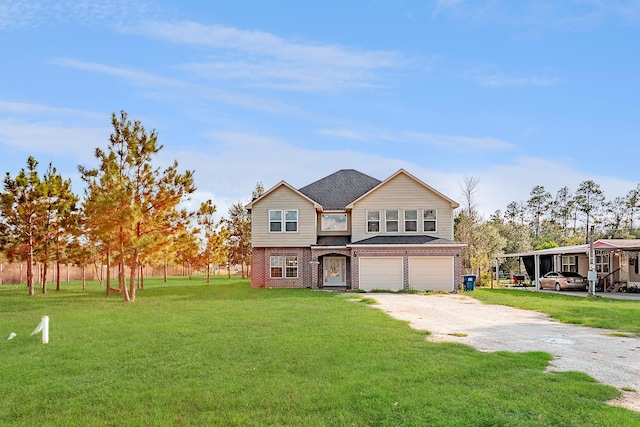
351, 231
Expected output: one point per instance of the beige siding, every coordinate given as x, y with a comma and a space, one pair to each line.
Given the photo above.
285, 199
401, 193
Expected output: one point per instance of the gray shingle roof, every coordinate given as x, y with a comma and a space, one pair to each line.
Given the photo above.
333, 240
401, 240
336, 191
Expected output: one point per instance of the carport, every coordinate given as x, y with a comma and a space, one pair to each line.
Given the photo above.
538, 263
616, 262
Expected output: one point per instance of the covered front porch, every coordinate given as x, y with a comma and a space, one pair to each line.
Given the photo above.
331, 268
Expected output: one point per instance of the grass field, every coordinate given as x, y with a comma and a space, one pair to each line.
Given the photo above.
191, 354
599, 312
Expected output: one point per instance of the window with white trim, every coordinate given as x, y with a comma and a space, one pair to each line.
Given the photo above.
602, 261
570, 263
275, 221
291, 267
430, 219
291, 221
411, 220
276, 263
373, 221
283, 220
391, 221
283, 267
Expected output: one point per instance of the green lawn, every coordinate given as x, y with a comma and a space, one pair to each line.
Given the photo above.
599, 312
187, 353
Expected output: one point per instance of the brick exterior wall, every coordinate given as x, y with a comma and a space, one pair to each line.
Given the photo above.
258, 269
310, 264
261, 268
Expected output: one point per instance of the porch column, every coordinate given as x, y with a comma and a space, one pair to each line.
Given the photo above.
314, 272
536, 273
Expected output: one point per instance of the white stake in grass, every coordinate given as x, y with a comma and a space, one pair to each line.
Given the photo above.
44, 328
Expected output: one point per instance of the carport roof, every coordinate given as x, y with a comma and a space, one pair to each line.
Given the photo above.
577, 249
623, 244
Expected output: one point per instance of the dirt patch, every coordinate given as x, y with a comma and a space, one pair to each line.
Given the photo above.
611, 360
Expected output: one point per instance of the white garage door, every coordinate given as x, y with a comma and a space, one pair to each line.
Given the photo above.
384, 273
431, 273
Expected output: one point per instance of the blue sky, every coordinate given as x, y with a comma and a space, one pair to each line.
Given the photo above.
514, 93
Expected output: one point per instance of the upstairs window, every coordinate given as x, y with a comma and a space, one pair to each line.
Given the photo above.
373, 221
285, 220
275, 221
391, 221
411, 220
430, 219
334, 222
291, 221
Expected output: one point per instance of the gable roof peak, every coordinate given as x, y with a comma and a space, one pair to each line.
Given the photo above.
336, 191
453, 203
275, 187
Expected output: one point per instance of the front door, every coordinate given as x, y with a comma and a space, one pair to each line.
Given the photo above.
335, 271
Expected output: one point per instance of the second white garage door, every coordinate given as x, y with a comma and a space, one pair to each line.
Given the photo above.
383, 273
431, 273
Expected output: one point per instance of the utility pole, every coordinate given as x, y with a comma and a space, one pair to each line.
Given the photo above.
592, 275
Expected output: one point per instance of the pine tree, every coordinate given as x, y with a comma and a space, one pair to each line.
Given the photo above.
206, 220
131, 205
23, 216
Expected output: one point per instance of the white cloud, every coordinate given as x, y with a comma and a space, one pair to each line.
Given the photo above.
264, 44
272, 61
15, 14
146, 79
459, 142
629, 12
506, 183
500, 80
536, 15
235, 162
443, 5
344, 134
51, 138
24, 108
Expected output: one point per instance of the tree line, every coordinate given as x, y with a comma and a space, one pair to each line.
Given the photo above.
543, 220
129, 216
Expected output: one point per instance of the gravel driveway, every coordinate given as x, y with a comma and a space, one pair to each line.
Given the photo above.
610, 360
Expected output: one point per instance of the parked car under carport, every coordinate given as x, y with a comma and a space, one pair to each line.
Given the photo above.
563, 280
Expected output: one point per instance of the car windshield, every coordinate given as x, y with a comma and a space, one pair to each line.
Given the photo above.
570, 274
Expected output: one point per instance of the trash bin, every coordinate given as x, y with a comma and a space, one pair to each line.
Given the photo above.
469, 281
